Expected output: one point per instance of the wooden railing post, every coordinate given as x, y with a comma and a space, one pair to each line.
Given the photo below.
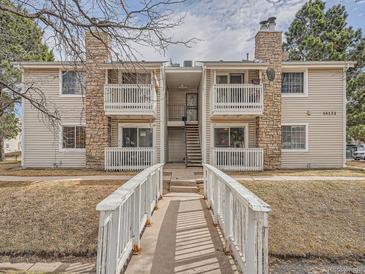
227, 218
137, 220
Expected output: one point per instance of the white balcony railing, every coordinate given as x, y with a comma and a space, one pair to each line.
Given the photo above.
243, 219
238, 99
129, 158
129, 99
238, 159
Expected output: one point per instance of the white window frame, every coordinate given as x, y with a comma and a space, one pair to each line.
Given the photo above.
60, 138
244, 72
120, 75
305, 83
306, 149
229, 125
139, 125
60, 84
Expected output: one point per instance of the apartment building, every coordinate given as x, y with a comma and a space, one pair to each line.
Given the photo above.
265, 113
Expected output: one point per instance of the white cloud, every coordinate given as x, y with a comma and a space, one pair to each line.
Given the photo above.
226, 28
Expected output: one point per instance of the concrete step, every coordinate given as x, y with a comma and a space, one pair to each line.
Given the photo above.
185, 189
194, 165
182, 183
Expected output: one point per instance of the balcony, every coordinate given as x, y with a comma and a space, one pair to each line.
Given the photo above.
129, 99
129, 158
238, 159
238, 99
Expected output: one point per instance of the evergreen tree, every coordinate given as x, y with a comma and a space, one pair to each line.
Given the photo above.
20, 40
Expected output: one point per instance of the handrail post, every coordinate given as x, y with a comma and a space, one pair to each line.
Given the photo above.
227, 218
160, 183
136, 221
148, 201
215, 199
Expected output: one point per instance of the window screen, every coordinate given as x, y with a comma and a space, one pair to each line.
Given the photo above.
72, 82
137, 137
73, 137
293, 137
292, 82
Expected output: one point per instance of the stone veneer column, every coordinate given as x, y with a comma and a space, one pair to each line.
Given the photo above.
268, 48
97, 123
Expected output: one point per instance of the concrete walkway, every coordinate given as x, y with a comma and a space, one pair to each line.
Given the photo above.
64, 178
55, 267
182, 239
176, 175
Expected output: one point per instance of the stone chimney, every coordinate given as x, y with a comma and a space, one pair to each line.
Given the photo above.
268, 48
97, 46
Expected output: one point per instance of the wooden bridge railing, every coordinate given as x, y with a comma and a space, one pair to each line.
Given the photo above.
123, 215
243, 218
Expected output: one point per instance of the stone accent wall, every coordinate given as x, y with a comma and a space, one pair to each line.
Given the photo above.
269, 49
97, 123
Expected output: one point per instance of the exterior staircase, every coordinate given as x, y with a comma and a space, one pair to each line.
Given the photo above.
193, 148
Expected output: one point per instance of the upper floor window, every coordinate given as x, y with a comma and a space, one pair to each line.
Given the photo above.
136, 78
73, 137
72, 83
231, 78
233, 137
294, 137
292, 83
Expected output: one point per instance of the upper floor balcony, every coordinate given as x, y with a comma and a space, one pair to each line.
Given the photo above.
130, 99
238, 99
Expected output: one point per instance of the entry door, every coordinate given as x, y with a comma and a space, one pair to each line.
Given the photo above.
192, 107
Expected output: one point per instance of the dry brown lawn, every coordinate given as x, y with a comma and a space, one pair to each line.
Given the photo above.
356, 164
51, 219
12, 168
320, 219
305, 172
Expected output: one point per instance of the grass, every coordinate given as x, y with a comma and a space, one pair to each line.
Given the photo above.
315, 219
306, 172
13, 168
356, 164
51, 219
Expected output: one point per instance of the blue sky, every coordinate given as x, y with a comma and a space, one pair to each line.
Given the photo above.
226, 28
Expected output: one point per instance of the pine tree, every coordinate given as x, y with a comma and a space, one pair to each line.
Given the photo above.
21, 40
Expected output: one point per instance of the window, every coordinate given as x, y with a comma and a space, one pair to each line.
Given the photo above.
222, 79
293, 137
136, 78
236, 78
137, 137
232, 78
73, 137
230, 137
292, 83
72, 83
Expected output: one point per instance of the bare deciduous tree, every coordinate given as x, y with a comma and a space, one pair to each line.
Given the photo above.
130, 24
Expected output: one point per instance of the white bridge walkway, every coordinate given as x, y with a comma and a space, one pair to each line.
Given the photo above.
223, 231
181, 239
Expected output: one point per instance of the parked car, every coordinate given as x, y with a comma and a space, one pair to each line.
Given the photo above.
359, 154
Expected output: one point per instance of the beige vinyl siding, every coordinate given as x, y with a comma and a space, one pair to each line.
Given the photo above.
176, 144
40, 142
325, 132
208, 89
